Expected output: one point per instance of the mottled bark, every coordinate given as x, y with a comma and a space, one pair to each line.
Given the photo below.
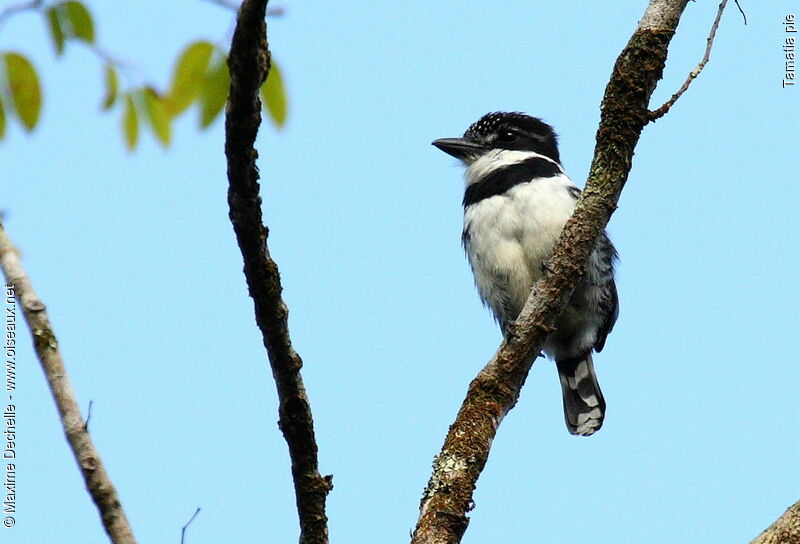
249, 63
45, 344
786, 530
624, 113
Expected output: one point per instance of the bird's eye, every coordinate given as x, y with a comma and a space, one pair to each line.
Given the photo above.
507, 136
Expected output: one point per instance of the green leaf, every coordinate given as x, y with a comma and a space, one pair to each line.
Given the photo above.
187, 78
23, 86
157, 115
2, 120
273, 95
56, 32
214, 93
112, 87
130, 124
80, 20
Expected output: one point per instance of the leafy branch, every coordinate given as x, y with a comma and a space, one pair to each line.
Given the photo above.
200, 78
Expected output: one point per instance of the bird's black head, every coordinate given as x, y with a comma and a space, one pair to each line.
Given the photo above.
503, 130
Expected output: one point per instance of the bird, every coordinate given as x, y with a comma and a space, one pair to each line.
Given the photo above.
516, 202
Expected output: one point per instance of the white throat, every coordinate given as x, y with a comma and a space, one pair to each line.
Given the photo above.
496, 159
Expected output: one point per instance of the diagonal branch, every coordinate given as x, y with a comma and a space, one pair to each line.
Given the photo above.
249, 62
94, 474
624, 113
785, 530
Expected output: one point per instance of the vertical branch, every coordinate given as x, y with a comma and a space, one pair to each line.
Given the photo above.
45, 344
624, 113
249, 63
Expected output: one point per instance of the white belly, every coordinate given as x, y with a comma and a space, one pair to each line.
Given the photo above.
509, 236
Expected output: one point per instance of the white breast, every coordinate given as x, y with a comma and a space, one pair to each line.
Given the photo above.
509, 236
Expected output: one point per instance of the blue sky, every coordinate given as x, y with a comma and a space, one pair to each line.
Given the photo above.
137, 262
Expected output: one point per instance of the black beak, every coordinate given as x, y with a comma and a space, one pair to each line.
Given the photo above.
460, 148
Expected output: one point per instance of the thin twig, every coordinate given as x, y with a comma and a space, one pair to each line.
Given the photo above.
191, 519
131, 71
17, 8
230, 4
741, 11
45, 344
88, 416
660, 112
108, 58
248, 63
104, 56
448, 497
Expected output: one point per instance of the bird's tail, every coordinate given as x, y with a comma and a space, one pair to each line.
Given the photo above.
584, 405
